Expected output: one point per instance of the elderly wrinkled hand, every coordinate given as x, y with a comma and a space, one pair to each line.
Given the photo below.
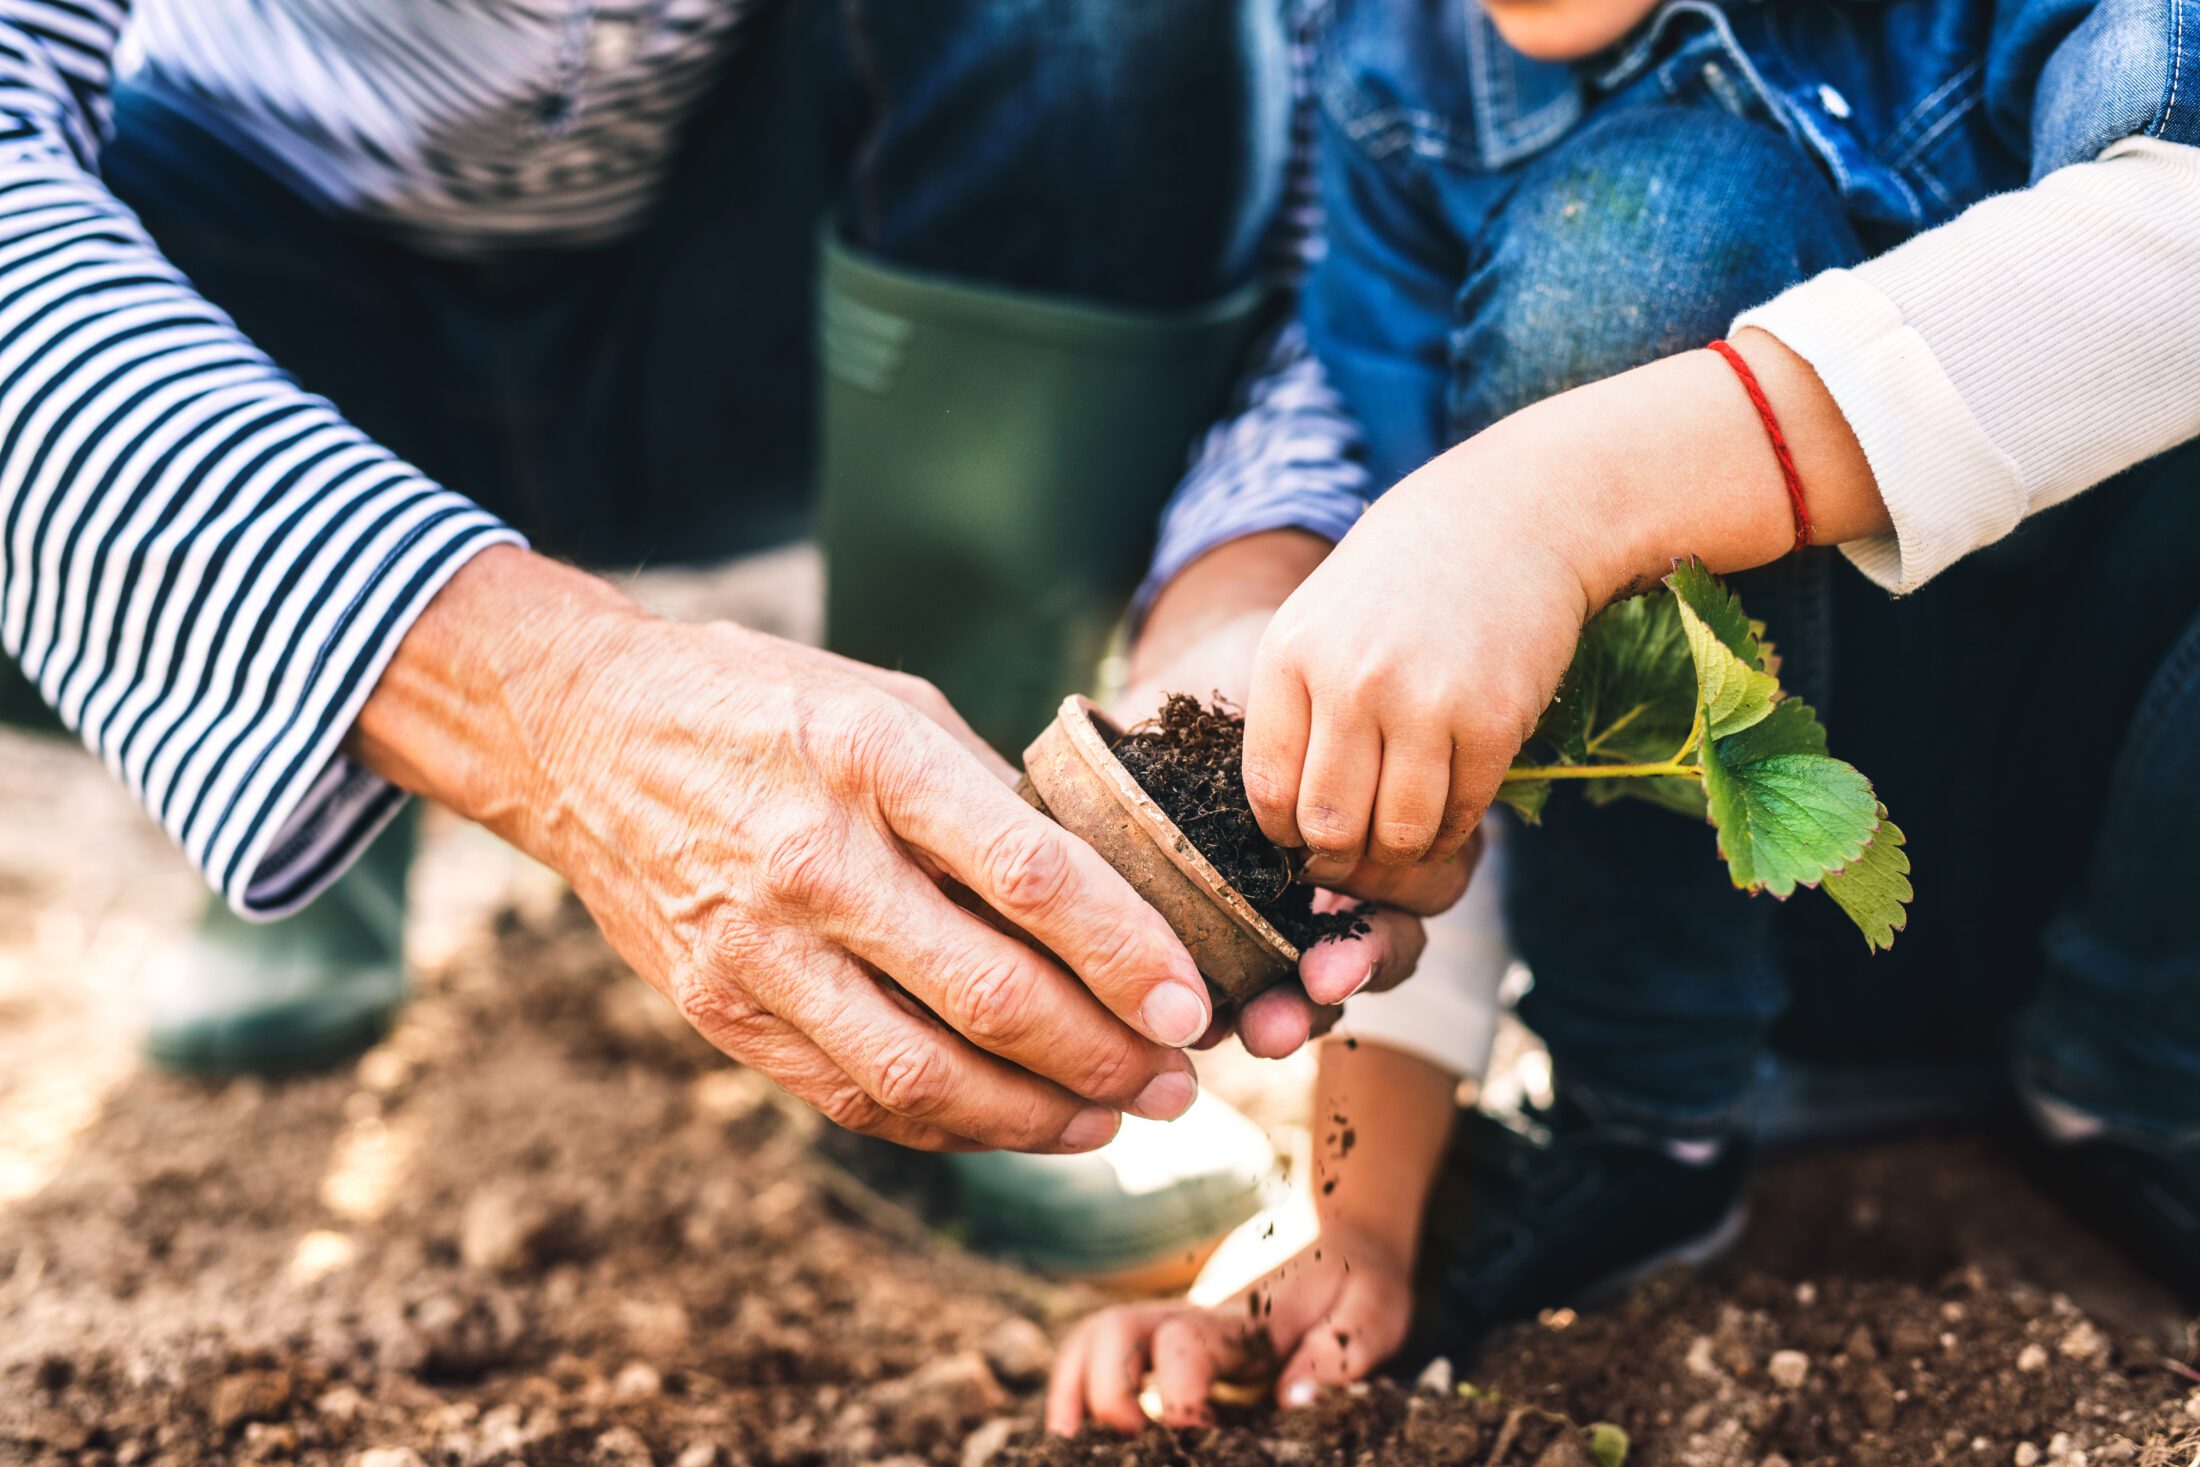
816, 861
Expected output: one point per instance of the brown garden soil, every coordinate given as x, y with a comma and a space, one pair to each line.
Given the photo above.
1191, 758
541, 1223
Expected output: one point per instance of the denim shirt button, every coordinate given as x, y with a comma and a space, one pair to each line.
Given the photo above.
1836, 105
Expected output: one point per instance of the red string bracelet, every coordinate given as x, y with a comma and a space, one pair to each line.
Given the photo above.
1756, 393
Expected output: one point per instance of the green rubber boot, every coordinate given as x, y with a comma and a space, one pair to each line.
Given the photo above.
994, 464
305, 993
993, 467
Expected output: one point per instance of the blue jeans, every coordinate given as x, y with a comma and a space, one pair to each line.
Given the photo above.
654, 401
2029, 717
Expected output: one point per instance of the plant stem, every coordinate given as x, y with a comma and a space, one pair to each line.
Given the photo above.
1664, 769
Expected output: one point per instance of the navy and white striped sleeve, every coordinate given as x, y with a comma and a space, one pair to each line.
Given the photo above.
1286, 457
203, 568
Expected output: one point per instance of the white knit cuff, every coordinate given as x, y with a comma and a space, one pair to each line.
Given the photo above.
1948, 489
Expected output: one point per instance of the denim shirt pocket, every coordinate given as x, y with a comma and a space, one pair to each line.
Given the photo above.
1890, 95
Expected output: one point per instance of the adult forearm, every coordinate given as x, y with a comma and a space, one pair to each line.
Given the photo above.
1251, 576
459, 715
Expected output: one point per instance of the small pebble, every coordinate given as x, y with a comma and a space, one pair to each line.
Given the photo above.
988, 1441
2083, 1341
2026, 1455
2032, 1357
1018, 1351
1788, 1369
1435, 1377
637, 1381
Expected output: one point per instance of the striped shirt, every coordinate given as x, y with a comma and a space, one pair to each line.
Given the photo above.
204, 568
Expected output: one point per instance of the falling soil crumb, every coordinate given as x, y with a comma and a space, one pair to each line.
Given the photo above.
1190, 757
544, 1223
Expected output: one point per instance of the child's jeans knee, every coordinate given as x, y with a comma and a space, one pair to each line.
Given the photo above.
1643, 234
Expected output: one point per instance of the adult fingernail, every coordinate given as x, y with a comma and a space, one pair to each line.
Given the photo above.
1094, 1126
1362, 982
1174, 1014
1300, 1393
1166, 1096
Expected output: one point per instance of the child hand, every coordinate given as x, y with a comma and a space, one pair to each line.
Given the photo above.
1201, 637
1331, 1313
1395, 686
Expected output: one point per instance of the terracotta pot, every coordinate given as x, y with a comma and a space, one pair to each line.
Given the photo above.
1071, 774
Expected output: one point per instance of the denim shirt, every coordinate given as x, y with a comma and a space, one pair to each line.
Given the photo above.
1915, 108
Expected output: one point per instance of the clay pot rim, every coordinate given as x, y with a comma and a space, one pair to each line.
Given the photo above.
1083, 720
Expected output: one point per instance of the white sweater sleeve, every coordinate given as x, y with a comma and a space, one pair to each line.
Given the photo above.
2024, 351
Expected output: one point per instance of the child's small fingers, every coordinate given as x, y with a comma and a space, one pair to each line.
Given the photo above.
1478, 764
1066, 1388
1115, 1365
1362, 1330
1410, 800
1344, 766
1184, 1366
1277, 716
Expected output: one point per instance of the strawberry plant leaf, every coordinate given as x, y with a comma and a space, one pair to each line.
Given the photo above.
1731, 684
1629, 695
1718, 609
1676, 700
1875, 888
1526, 798
1787, 813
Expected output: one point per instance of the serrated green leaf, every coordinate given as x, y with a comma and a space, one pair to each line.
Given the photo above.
1718, 609
1735, 691
1526, 798
1874, 889
1608, 1443
1629, 695
1786, 812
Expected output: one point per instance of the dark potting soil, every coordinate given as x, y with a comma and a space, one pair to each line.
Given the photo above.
1190, 758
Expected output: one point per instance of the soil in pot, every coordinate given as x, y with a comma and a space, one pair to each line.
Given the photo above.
1190, 757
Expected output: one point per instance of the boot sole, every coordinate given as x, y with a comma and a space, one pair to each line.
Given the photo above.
273, 1049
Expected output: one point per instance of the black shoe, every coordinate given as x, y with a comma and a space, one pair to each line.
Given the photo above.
1555, 1211
2143, 1198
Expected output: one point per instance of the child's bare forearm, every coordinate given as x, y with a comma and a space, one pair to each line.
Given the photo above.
1382, 1119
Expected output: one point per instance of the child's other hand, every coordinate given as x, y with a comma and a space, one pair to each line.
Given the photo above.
1395, 686
1331, 1313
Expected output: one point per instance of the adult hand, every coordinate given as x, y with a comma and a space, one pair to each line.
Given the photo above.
1395, 686
771, 836
1200, 638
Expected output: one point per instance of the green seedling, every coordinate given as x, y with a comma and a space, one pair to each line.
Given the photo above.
1675, 698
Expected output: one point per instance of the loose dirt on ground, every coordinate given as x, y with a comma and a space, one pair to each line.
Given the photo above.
542, 1223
